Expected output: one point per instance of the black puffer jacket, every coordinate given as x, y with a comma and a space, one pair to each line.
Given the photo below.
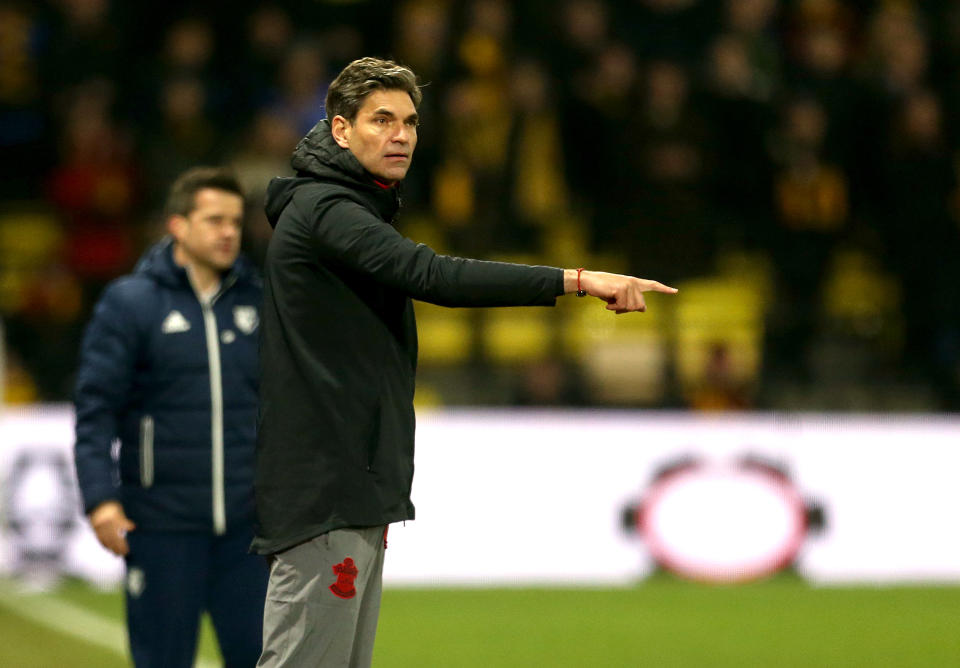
339, 345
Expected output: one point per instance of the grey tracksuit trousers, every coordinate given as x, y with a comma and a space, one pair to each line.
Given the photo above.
323, 601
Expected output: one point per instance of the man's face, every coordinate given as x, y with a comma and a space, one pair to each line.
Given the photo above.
383, 135
210, 234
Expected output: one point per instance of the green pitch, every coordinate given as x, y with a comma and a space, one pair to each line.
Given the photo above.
663, 623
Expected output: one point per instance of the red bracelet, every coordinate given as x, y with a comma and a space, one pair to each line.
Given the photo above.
580, 292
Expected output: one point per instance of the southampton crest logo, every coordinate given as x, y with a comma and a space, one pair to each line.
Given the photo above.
246, 318
346, 573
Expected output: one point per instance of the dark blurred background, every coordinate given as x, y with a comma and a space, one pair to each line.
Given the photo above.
791, 165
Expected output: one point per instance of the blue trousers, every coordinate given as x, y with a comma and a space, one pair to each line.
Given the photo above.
172, 578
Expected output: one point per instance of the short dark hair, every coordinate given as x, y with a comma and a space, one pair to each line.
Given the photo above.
363, 76
181, 200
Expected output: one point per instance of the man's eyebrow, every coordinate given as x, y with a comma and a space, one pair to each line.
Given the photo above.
383, 111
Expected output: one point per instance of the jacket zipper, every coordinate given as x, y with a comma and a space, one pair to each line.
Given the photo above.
216, 409
146, 451
216, 419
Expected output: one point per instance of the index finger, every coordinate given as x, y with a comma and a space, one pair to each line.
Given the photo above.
656, 286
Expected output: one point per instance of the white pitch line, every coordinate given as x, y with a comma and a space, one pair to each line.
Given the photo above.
72, 620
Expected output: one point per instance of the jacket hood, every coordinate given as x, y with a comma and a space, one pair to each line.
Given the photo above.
157, 263
318, 158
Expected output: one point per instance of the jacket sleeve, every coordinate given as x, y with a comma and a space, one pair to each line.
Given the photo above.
347, 233
104, 379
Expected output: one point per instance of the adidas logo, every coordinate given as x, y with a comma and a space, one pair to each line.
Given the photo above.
174, 323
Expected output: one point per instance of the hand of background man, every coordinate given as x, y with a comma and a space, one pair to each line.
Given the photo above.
622, 293
111, 526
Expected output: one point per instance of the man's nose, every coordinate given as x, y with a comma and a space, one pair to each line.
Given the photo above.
402, 135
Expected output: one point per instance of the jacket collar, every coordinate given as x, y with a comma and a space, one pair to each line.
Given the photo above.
157, 263
320, 157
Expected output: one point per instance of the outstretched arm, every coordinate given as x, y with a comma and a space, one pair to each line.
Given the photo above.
347, 234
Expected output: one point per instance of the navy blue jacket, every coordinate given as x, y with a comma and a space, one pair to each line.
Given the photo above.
176, 383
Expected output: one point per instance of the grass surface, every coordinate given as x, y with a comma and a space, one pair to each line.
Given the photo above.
663, 623
27, 644
668, 623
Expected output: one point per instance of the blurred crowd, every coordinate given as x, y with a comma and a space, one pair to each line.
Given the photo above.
802, 151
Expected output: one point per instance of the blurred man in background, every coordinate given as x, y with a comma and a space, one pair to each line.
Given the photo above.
339, 352
169, 368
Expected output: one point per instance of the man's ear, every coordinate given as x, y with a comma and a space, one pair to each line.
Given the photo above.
340, 127
177, 226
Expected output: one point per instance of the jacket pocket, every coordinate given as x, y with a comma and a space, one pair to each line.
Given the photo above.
146, 451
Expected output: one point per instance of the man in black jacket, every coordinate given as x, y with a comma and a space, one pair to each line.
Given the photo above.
338, 357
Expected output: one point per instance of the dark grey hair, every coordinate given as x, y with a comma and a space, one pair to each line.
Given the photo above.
363, 76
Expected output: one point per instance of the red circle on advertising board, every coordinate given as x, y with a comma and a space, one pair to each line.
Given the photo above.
723, 523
